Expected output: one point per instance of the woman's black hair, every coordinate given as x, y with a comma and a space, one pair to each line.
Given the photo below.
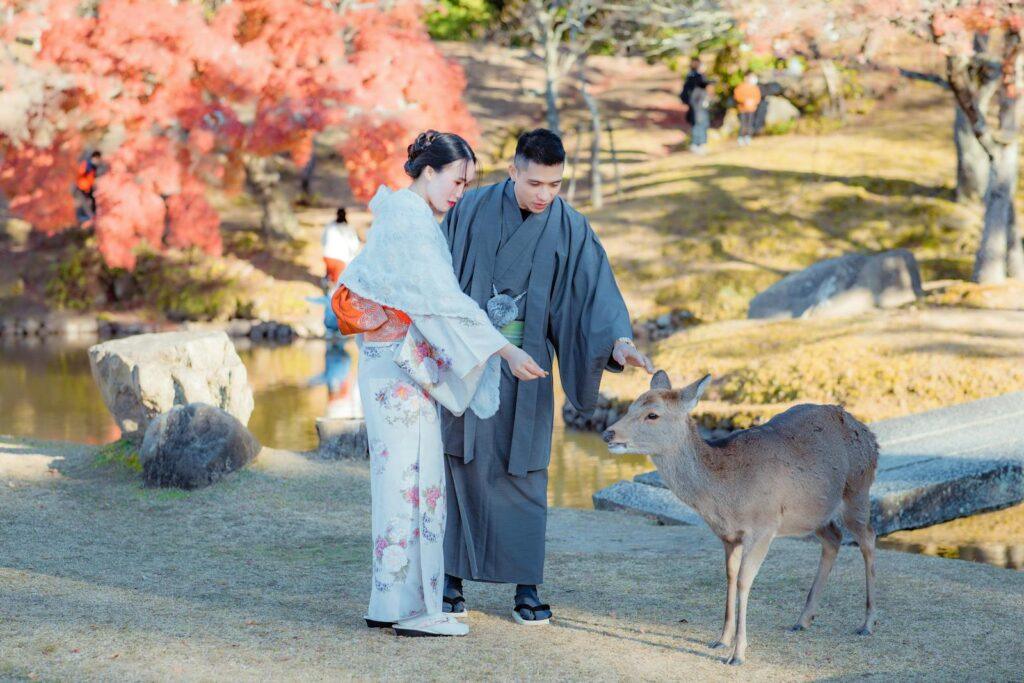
436, 150
341, 216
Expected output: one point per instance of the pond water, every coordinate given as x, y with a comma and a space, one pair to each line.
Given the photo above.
47, 392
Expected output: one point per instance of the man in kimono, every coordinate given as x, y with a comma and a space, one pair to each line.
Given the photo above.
536, 266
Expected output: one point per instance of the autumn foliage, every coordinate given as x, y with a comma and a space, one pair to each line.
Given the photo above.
177, 96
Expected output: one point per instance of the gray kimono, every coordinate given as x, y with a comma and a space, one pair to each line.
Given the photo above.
572, 309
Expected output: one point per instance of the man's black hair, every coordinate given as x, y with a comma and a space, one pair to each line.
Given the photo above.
539, 146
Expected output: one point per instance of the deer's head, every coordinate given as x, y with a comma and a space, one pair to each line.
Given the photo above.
658, 420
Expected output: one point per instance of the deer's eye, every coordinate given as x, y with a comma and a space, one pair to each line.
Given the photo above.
652, 416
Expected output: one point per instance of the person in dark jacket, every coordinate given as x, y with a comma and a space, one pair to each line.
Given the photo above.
694, 80
761, 115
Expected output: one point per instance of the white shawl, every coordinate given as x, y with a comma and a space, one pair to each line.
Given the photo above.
406, 265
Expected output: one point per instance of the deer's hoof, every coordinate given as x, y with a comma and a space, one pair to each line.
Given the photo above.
718, 645
797, 627
735, 661
864, 631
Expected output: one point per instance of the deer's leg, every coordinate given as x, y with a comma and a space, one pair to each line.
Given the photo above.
753, 555
733, 554
831, 538
857, 517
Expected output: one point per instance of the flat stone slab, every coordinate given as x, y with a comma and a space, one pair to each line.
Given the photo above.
933, 467
652, 501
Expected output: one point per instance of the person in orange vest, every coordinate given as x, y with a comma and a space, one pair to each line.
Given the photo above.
85, 183
747, 96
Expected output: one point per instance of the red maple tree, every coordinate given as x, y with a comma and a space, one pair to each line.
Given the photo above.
180, 97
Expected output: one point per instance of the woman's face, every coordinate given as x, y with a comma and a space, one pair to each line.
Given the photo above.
445, 186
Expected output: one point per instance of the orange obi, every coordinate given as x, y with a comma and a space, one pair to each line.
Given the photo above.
358, 315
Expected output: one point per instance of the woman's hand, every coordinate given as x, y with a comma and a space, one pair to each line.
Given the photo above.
523, 366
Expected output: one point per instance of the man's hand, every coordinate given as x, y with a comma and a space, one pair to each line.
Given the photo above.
627, 354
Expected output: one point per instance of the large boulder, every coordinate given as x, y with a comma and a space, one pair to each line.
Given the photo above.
143, 376
846, 285
780, 110
193, 446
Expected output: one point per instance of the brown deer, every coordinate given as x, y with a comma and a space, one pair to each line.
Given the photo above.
795, 475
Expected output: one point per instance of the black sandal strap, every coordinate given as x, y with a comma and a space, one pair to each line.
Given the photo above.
533, 608
453, 601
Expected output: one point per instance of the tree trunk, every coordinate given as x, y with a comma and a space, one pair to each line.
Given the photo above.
571, 194
972, 162
615, 160
1000, 254
551, 102
596, 194
1000, 240
551, 79
972, 165
264, 183
834, 87
306, 177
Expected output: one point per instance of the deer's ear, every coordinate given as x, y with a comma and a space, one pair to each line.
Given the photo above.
661, 380
692, 393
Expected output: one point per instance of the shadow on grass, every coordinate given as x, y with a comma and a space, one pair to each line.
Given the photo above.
617, 633
880, 185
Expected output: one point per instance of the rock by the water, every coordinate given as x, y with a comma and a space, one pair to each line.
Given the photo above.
780, 110
193, 446
342, 438
143, 376
846, 285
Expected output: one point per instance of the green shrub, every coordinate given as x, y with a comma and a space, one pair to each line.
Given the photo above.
120, 454
780, 128
79, 278
460, 19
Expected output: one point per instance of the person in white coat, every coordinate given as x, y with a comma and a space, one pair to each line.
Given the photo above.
340, 245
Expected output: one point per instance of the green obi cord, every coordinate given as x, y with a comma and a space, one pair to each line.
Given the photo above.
513, 332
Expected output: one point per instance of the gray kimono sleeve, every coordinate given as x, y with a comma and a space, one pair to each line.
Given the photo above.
587, 315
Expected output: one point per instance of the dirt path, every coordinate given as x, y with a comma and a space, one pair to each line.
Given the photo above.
265, 577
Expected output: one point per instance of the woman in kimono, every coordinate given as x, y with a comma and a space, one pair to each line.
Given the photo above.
424, 343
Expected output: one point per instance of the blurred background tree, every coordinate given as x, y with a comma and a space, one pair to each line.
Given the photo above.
183, 97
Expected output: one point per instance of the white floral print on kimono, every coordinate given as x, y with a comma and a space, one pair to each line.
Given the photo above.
406, 486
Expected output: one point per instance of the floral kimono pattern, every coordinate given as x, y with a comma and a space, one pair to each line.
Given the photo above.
403, 384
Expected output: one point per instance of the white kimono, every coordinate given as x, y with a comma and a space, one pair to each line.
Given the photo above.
446, 357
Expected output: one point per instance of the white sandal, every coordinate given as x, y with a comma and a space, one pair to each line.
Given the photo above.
431, 625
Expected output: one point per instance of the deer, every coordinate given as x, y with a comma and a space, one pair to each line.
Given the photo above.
798, 474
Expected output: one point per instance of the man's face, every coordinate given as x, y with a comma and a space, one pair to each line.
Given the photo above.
536, 185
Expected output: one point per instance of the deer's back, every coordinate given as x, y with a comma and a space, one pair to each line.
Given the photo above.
800, 464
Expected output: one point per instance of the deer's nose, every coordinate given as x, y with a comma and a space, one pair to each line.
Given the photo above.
608, 436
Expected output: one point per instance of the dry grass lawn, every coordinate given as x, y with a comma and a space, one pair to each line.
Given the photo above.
265, 577
880, 365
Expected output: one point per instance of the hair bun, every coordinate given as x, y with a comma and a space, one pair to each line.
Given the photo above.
423, 140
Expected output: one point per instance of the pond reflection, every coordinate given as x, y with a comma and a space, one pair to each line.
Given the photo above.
990, 537
48, 393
